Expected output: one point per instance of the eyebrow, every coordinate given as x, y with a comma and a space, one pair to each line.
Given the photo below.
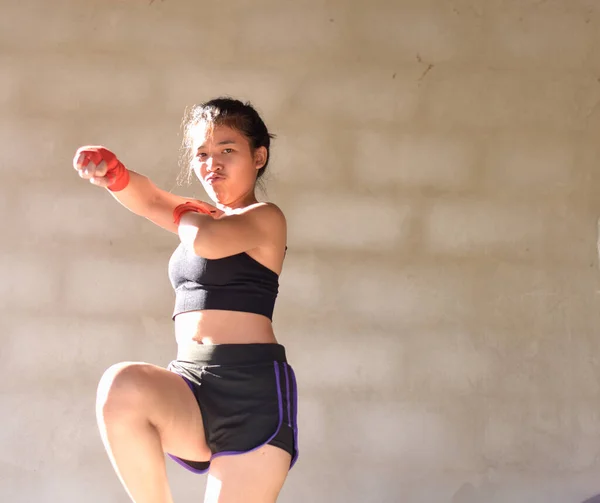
224, 142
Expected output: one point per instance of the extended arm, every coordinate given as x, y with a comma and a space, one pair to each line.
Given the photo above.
135, 192
144, 198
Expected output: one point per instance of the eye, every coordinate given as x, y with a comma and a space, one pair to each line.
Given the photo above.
201, 155
228, 151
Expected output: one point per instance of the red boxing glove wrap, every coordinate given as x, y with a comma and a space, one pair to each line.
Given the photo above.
188, 206
114, 168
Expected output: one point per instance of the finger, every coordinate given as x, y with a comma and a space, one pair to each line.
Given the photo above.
101, 169
85, 173
85, 163
78, 160
79, 155
103, 181
89, 170
85, 155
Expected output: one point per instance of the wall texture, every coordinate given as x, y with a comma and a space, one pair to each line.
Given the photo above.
439, 164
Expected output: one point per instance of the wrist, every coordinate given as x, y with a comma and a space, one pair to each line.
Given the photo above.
121, 178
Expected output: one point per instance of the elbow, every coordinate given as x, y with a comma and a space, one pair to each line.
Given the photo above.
203, 250
204, 246
207, 252
201, 234
194, 236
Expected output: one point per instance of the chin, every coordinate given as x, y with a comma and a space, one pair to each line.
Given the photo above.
216, 198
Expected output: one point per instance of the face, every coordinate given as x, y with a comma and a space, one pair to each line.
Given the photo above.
225, 165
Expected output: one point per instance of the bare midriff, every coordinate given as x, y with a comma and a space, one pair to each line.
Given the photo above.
223, 327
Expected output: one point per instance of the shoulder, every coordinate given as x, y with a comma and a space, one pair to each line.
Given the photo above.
263, 211
266, 222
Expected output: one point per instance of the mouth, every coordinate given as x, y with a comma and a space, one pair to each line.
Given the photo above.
214, 178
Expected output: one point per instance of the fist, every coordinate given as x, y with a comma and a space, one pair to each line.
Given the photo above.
96, 164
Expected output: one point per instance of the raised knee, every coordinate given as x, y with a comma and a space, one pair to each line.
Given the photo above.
121, 388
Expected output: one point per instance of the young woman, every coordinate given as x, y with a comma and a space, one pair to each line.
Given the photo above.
227, 405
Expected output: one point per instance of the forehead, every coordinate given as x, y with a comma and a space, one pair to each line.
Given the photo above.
203, 135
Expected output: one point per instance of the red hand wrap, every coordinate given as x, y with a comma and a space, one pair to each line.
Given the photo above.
114, 168
188, 206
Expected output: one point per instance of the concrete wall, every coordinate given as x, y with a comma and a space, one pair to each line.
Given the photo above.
439, 164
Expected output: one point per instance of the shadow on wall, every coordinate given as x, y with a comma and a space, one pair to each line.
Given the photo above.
594, 499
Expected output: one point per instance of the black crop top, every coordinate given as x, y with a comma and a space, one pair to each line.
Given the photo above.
234, 283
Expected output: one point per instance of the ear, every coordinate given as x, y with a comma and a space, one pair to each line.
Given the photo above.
260, 157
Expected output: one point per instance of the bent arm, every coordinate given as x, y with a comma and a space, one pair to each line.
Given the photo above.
255, 226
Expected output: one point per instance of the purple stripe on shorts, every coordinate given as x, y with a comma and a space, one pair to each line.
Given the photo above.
287, 394
295, 420
189, 383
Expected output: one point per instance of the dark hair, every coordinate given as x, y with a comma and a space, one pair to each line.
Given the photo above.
225, 111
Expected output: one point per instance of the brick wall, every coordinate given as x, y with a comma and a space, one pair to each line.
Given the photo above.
439, 166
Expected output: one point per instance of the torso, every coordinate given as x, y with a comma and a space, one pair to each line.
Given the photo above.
230, 327
223, 327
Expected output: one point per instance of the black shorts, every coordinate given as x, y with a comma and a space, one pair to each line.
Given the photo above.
247, 397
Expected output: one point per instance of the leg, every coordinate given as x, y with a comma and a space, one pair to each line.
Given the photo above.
255, 477
144, 411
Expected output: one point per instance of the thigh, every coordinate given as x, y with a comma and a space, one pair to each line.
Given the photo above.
254, 477
164, 399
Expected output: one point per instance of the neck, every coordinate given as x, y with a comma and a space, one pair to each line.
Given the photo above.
241, 202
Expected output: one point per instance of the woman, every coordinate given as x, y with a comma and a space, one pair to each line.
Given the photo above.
227, 403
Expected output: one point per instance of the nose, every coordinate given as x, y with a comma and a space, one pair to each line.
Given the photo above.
212, 164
